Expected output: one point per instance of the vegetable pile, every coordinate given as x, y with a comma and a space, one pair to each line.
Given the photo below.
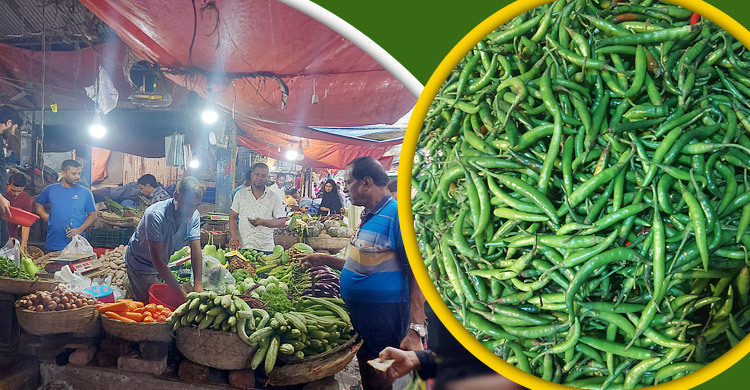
8, 269
54, 300
583, 200
128, 310
114, 264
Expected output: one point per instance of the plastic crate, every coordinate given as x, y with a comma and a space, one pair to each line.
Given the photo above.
109, 238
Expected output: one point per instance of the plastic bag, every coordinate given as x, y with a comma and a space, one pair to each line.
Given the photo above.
214, 275
78, 246
12, 251
74, 280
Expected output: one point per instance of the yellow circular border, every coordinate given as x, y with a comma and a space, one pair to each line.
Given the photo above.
407, 221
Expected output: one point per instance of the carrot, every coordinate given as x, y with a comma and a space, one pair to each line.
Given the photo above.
134, 316
115, 307
118, 317
132, 304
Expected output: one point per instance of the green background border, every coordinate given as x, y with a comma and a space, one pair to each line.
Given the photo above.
420, 33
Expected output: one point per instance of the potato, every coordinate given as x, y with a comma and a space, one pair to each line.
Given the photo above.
39, 308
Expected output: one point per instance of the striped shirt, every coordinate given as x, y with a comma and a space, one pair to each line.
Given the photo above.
375, 279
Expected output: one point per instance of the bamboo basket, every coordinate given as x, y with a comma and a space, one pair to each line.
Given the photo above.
23, 286
298, 371
216, 349
42, 261
285, 240
331, 244
83, 320
139, 331
34, 252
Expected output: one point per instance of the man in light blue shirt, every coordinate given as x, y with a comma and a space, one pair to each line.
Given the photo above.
71, 206
166, 227
245, 184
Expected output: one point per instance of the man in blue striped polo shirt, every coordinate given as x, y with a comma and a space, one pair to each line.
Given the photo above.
385, 302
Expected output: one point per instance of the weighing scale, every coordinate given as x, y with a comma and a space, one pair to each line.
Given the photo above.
87, 265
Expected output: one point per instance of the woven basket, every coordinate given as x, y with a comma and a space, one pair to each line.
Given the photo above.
139, 331
83, 321
212, 348
42, 261
331, 244
34, 252
23, 286
285, 240
298, 371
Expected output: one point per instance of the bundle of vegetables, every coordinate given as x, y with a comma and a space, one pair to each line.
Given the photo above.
182, 275
210, 250
56, 300
323, 283
182, 253
208, 309
127, 310
238, 261
294, 276
252, 255
114, 264
8, 269
580, 199
318, 325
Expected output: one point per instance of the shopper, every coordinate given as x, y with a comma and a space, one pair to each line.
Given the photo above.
166, 227
392, 186
278, 186
258, 210
445, 360
20, 200
331, 201
291, 197
71, 207
385, 302
244, 184
10, 119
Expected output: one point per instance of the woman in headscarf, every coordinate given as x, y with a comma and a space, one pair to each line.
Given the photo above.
331, 203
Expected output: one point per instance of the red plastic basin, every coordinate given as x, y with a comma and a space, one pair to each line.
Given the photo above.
162, 294
20, 217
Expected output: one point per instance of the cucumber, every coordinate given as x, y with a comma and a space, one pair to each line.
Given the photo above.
298, 345
214, 311
199, 318
219, 319
241, 331
233, 329
176, 325
183, 321
275, 323
297, 322
193, 295
280, 317
333, 307
202, 308
225, 326
191, 315
207, 321
271, 354
182, 309
299, 354
217, 300
232, 320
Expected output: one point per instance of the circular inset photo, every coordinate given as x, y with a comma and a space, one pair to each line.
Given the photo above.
582, 198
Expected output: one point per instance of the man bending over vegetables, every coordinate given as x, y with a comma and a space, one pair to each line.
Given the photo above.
385, 302
165, 227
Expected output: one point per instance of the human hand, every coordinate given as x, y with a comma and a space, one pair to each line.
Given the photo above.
255, 221
74, 232
198, 287
314, 260
234, 243
4, 206
404, 362
411, 342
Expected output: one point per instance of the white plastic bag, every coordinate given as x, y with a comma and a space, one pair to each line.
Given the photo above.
214, 275
74, 280
12, 251
78, 246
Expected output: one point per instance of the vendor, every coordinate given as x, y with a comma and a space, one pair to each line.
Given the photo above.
152, 189
278, 187
71, 207
259, 211
166, 226
21, 200
10, 119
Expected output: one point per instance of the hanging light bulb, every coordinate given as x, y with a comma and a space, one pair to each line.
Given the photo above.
97, 129
300, 153
194, 163
314, 95
291, 155
209, 114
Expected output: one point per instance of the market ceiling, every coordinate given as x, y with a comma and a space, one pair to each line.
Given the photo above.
262, 61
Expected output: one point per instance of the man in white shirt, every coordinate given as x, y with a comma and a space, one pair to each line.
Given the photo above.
258, 210
278, 186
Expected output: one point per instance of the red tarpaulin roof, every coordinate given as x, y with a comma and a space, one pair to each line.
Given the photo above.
265, 47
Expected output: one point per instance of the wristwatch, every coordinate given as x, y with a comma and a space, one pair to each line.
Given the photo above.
420, 329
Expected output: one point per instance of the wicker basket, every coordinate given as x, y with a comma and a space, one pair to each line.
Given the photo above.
34, 252
83, 321
42, 261
312, 368
139, 331
220, 350
285, 240
23, 286
331, 244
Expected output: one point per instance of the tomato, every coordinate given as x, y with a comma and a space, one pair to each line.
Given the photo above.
166, 312
148, 313
139, 310
161, 318
151, 307
148, 319
160, 307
